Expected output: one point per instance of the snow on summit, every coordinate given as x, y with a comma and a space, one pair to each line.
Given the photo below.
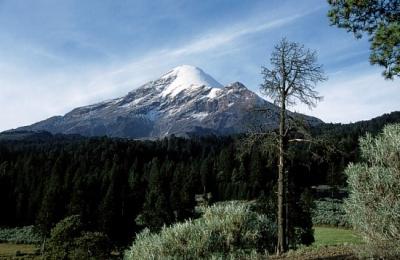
184, 102
188, 78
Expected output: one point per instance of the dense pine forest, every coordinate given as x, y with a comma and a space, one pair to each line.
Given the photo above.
120, 186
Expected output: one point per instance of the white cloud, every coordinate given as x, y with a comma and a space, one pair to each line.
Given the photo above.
149, 66
31, 94
351, 98
218, 39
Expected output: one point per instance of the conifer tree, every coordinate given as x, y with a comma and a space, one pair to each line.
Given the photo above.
292, 77
380, 19
156, 210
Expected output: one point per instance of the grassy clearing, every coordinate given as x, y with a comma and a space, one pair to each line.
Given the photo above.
329, 236
8, 250
330, 243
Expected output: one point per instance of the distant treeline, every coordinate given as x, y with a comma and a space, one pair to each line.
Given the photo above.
119, 186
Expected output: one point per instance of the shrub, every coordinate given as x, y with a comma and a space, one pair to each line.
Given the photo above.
373, 206
225, 230
300, 231
91, 245
330, 212
20, 235
68, 240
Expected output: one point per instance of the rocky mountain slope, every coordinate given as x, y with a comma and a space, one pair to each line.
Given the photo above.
185, 101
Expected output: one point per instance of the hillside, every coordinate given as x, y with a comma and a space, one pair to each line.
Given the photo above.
183, 102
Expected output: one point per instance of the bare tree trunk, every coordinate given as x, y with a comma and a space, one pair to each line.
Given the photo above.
281, 245
293, 76
43, 246
286, 202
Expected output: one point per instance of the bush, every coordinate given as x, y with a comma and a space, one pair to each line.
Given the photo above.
373, 206
20, 235
68, 240
329, 212
225, 230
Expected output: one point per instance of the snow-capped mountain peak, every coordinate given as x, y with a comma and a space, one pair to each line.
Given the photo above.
185, 101
187, 77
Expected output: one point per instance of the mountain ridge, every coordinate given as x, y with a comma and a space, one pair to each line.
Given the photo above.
183, 102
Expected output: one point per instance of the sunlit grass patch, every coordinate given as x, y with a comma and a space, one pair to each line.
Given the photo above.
327, 236
9, 250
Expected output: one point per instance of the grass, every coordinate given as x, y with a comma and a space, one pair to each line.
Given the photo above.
329, 236
8, 250
330, 243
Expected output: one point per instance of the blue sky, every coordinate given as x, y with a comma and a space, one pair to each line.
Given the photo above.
57, 55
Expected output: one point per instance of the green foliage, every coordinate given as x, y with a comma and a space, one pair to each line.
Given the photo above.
224, 229
20, 235
300, 223
68, 240
329, 212
91, 245
156, 211
373, 206
378, 18
44, 177
385, 48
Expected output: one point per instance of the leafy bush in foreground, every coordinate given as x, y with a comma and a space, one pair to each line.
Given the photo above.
329, 212
20, 235
230, 229
68, 240
374, 203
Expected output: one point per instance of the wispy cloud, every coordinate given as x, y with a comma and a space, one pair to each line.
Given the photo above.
228, 35
45, 76
150, 65
51, 94
350, 98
